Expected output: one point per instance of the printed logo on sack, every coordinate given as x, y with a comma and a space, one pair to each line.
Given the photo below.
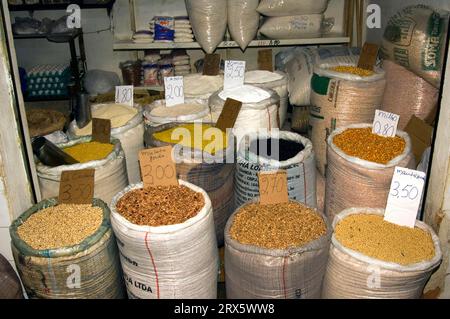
74, 18
74, 279
373, 20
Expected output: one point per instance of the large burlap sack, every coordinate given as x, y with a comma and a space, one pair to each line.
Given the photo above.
131, 136
278, 8
10, 287
415, 37
253, 272
407, 94
49, 273
351, 274
293, 27
243, 21
110, 173
300, 170
168, 262
209, 22
352, 181
339, 99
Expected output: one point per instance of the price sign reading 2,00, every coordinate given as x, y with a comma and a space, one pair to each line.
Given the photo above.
158, 172
271, 185
385, 130
174, 91
408, 191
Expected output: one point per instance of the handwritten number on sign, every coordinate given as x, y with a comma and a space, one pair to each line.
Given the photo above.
408, 191
161, 172
273, 185
386, 130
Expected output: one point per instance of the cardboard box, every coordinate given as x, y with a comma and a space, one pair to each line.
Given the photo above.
421, 135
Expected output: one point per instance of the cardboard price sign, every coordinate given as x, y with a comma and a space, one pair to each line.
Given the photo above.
265, 61
101, 130
211, 65
125, 95
273, 187
76, 187
368, 56
229, 114
385, 123
157, 167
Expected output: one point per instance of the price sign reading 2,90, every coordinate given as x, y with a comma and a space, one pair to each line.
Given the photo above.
174, 90
234, 74
273, 187
124, 95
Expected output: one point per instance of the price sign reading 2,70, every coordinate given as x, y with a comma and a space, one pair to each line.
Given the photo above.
157, 167
273, 187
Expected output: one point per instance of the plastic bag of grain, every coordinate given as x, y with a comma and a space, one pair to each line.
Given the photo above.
415, 37
198, 86
10, 287
293, 27
272, 151
353, 181
339, 99
279, 8
168, 261
110, 172
400, 272
243, 21
268, 254
209, 22
127, 125
198, 166
407, 94
87, 270
276, 81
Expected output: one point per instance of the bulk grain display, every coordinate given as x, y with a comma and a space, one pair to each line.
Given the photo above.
342, 94
167, 244
127, 125
204, 163
108, 160
273, 151
372, 258
243, 21
67, 251
198, 86
275, 251
361, 165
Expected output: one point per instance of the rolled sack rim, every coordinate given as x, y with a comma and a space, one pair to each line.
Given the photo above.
215, 100
322, 69
148, 118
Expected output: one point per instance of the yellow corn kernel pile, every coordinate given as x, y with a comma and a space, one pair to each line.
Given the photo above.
352, 70
91, 151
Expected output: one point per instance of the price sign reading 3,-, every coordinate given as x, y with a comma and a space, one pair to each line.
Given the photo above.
76, 187
157, 167
174, 90
385, 123
233, 74
124, 95
273, 187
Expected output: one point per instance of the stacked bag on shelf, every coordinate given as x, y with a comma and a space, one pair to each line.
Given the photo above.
181, 62
183, 30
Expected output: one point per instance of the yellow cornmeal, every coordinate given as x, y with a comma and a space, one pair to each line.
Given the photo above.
372, 236
352, 70
90, 151
198, 140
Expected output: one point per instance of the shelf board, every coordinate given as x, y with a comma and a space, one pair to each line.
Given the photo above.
60, 6
58, 37
328, 39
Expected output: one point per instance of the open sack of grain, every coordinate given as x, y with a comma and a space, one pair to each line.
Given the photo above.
67, 251
201, 87
371, 258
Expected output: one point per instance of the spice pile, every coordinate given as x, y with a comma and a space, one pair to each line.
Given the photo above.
92, 151
277, 226
59, 226
362, 143
372, 236
352, 70
162, 205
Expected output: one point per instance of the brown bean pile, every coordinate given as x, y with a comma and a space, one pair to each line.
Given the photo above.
162, 205
60, 226
372, 236
362, 143
277, 226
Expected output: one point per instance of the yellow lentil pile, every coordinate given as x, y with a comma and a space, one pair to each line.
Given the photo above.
162, 205
91, 151
352, 70
195, 137
370, 235
277, 226
59, 226
362, 143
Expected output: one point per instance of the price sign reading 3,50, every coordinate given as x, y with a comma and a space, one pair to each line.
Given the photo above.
385, 123
124, 95
234, 74
174, 90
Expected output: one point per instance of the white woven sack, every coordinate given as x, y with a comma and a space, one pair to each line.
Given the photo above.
168, 262
293, 27
301, 172
198, 86
131, 136
243, 21
351, 274
110, 173
277, 8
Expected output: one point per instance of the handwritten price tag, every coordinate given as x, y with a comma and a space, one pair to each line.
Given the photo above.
385, 123
233, 74
273, 187
174, 90
157, 167
404, 196
101, 130
76, 187
124, 95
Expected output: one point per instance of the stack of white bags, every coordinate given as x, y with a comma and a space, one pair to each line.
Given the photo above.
183, 30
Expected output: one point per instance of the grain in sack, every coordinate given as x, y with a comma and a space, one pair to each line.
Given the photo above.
374, 259
362, 173
296, 156
275, 251
201, 87
67, 251
110, 172
175, 258
127, 125
279, 8
339, 99
243, 21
